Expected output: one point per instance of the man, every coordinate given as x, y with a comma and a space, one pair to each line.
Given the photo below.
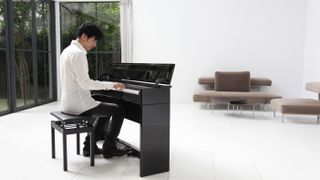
76, 97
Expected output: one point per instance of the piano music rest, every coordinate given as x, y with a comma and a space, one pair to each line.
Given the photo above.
71, 124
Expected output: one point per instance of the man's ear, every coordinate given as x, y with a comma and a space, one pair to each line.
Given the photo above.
84, 36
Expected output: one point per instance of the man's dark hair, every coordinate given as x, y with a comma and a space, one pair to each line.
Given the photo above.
91, 30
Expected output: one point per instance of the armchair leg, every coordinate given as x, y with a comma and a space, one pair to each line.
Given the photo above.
253, 109
64, 142
53, 147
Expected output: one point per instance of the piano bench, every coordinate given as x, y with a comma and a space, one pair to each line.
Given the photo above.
71, 124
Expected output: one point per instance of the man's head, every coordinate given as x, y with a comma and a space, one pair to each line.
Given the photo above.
88, 34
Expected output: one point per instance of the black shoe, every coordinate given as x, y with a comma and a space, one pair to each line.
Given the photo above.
112, 150
86, 150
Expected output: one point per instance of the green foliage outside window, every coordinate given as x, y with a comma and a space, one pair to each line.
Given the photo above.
26, 52
107, 16
23, 32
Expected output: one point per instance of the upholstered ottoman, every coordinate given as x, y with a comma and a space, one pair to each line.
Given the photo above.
296, 106
299, 105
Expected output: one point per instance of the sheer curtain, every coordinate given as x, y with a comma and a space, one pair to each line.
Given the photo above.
126, 30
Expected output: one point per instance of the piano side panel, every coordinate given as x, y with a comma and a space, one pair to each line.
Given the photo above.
155, 95
155, 137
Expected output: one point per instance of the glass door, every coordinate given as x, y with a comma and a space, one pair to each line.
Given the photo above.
27, 76
4, 103
22, 31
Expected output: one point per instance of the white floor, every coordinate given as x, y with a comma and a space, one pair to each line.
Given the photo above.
205, 145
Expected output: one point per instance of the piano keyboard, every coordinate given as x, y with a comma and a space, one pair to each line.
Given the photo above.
131, 91
134, 86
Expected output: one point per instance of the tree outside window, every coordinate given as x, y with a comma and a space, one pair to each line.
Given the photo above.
107, 16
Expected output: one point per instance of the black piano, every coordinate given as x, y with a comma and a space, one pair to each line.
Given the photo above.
146, 100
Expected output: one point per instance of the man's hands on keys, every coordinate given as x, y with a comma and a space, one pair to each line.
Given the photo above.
122, 87
118, 86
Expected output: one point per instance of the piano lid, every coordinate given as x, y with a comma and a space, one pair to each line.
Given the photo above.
147, 72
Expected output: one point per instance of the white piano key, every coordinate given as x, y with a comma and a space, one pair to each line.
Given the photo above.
131, 91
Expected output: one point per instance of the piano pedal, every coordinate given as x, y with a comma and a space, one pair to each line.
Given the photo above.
132, 152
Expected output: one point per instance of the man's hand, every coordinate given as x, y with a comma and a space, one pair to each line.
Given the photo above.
118, 86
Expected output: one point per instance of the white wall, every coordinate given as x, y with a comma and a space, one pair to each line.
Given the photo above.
200, 37
312, 50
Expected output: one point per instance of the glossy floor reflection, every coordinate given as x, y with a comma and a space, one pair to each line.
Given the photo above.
205, 145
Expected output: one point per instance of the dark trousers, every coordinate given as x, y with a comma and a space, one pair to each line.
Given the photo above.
109, 123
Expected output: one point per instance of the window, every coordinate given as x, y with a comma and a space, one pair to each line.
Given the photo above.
4, 106
22, 30
31, 52
25, 55
107, 16
44, 54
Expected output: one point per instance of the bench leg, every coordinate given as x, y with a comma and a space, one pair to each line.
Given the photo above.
53, 147
78, 141
274, 113
282, 118
92, 142
318, 118
64, 144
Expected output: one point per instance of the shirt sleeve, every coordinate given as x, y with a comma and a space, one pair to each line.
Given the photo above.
82, 74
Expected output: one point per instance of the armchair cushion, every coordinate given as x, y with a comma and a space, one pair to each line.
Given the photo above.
313, 87
232, 81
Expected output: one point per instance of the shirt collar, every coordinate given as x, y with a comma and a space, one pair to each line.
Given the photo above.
76, 43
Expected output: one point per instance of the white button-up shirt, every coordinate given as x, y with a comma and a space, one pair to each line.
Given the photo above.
75, 81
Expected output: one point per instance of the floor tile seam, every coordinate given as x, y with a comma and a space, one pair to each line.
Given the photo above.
213, 165
78, 173
127, 169
259, 172
252, 159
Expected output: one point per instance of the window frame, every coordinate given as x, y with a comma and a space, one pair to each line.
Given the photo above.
10, 57
94, 52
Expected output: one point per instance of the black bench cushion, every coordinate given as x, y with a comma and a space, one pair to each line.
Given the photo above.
69, 117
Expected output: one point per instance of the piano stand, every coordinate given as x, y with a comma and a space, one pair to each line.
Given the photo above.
154, 150
151, 109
